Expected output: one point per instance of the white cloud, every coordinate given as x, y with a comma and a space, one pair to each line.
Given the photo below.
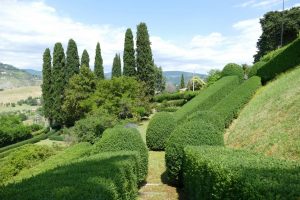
260, 3
27, 28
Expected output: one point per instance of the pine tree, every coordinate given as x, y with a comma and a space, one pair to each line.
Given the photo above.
59, 82
160, 81
144, 60
72, 60
128, 55
182, 84
47, 86
98, 68
85, 59
116, 68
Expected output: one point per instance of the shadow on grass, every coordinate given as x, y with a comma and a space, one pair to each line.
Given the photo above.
180, 191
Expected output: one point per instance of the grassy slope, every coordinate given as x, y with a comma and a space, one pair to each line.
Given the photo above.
16, 94
270, 122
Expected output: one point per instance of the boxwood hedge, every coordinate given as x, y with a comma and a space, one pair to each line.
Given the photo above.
159, 130
209, 117
188, 95
232, 69
194, 132
125, 139
223, 173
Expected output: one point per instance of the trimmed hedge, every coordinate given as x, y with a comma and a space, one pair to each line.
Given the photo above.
188, 95
230, 106
287, 59
159, 130
232, 69
209, 117
223, 173
194, 132
103, 176
208, 97
125, 139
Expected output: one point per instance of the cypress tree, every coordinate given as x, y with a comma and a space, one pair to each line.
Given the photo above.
59, 82
85, 59
128, 55
116, 68
182, 85
98, 68
72, 60
47, 86
144, 60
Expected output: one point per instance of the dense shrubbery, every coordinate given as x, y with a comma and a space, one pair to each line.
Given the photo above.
222, 173
233, 69
209, 117
188, 95
167, 109
125, 139
159, 130
284, 60
194, 132
29, 101
25, 157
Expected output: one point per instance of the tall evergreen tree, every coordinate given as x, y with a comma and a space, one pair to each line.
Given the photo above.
98, 68
144, 60
72, 60
85, 59
116, 68
47, 86
59, 82
128, 55
160, 81
182, 84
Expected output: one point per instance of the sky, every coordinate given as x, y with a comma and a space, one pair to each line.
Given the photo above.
185, 35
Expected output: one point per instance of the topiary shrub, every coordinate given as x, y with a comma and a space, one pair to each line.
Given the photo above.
209, 117
233, 69
195, 132
159, 130
125, 139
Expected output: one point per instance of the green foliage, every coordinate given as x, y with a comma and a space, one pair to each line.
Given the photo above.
167, 109
182, 84
187, 95
223, 173
213, 76
98, 68
229, 107
105, 176
85, 59
209, 117
208, 97
233, 69
128, 55
286, 59
195, 83
160, 80
125, 139
72, 59
194, 132
25, 157
144, 60
56, 137
159, 130
116, 68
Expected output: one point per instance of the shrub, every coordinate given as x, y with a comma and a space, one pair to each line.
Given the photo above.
223, 173
209, 117
233, 69
288, 58
188, 95
35, 127
167, 109
194, 132
103, 176
159, 130
125, 139
208, 97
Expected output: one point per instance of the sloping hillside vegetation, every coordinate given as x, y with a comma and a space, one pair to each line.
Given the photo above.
270, 122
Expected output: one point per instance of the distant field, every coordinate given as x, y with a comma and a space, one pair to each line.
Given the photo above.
16, 94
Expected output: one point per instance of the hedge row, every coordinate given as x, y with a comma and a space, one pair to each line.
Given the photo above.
232, 69
103, 176
208, 97
188, 95
125, 139
223, 173
159, 130
287, 59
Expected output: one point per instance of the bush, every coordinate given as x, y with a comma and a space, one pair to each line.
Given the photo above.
222, 173
167, 109
208, 97
286, 59
188, 95
103, 176
159, 130
209, 117
125, 139
35, 127
194, 132
233, 69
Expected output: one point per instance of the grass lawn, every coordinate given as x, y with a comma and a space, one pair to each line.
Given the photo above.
16, 94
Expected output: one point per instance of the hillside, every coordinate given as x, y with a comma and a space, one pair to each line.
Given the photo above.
270, 122
12, 77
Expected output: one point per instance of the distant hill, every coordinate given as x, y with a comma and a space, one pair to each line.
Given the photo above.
12, 77
33, 72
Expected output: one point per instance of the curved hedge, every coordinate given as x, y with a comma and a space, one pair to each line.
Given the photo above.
188, 95
194, 132
159, 130
223, 173
125, 139
209, 117
232, 69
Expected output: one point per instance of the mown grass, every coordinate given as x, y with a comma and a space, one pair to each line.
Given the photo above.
270, 122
